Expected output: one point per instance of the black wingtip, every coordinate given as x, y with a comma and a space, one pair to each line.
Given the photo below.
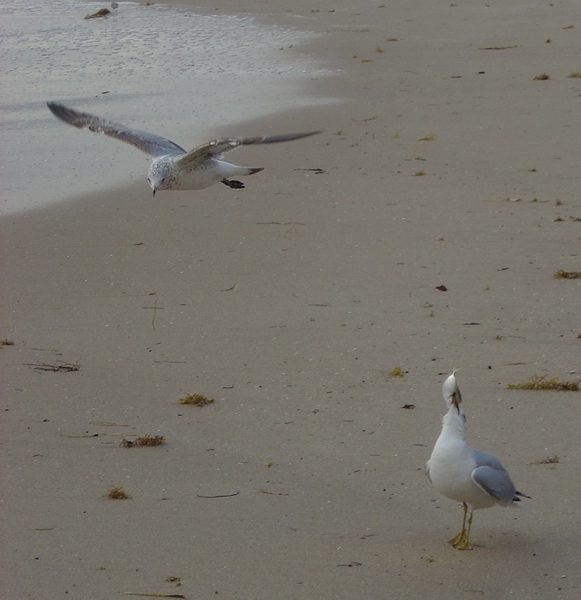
53, 105
300, 136
58, 110
66, 114
310, 133
285, 137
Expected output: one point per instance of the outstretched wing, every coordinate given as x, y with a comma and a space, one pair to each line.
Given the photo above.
151, 144
217, 148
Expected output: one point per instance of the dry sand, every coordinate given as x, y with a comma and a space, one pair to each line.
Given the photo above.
288, 303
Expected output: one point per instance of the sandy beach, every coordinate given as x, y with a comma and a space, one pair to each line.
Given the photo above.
422, 230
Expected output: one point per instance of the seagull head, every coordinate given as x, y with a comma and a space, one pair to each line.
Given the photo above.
158, 176
451, 392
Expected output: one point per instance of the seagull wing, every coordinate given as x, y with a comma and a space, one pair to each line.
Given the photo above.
217, 148
485, 459
151, 144
495, 482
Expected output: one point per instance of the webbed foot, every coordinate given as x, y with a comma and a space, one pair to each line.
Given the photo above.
461, 541
233, 183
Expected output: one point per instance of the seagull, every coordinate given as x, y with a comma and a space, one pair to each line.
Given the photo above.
460, 472
172, 167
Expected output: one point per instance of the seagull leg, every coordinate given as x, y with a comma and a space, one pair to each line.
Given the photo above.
462, 533
463, 543
468, 546
460, 541
237, 185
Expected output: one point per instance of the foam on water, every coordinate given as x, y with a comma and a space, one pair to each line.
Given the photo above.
161, 68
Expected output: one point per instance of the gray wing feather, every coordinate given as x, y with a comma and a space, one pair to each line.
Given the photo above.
495, 482
151, 144
216, 148
485, 459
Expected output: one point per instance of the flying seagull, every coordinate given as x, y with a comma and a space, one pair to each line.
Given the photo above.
476, 479
172, 168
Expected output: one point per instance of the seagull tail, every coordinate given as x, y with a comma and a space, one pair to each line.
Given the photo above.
516, 501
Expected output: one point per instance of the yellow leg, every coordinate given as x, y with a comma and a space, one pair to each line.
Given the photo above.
460, 541
462, 533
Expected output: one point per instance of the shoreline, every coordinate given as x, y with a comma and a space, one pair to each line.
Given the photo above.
289, 303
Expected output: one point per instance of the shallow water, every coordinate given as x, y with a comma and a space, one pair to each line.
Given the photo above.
165, 69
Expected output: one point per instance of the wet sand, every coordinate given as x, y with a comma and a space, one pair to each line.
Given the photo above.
288, 303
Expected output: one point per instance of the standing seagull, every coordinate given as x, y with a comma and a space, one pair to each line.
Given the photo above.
462, 473
172, 168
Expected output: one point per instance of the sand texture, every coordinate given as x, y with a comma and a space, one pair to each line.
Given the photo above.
422, 229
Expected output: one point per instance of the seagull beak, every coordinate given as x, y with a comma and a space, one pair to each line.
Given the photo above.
455, 402
456, 399
154, 190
